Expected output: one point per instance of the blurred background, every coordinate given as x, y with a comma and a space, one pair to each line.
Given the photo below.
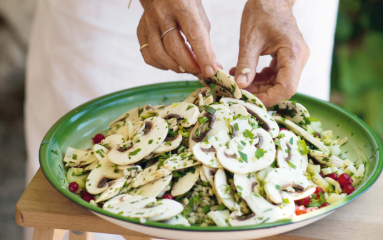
356, 85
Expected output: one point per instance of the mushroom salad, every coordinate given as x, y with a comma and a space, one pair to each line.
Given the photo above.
218, 158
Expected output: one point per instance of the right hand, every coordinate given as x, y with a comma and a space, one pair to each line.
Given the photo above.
172, 51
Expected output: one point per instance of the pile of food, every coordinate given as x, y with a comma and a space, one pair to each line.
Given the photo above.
219, 157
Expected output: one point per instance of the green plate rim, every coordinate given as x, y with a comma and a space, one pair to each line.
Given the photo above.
46, 147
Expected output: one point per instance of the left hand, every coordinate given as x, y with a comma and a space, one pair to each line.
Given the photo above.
269, 28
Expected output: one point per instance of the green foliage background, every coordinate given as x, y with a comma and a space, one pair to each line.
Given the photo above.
357, 69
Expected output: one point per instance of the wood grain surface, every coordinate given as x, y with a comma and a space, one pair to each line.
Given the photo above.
41, 206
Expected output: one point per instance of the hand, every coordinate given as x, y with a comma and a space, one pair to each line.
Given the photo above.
269, 28
171, 52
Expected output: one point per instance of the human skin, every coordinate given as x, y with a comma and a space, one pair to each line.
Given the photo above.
268, 27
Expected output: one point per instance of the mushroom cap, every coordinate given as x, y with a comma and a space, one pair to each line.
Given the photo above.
169, 145
185, 183
78, 157
91, 166
325, 158
154, 133
223, 190
100, 151
264, 119
245, 155
114, 188
301, 132
236, 219
201, 96
114, 141
220, 217
124, 128
238, 109
245, 184
150, 174
181, 110
152, 189
293, 111
224, 80
97, 179
173, 208
178, 220
281, 178
216, 122
288, 154
251, 98
180, 161
135, 206
133, 115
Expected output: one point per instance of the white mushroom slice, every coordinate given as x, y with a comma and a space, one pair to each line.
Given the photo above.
169, 144
124, 128
135, 206
150, 174
245, 184
114, 188
185, 183
223, 190
288, 155
202, 176
282, 178
251, 98
236, 219
246, 155
180, 161
335, 184
327, 159
263, 118
91, 166
178, 220
97, 181
239, 125
225, 81
267, 212
173, 208
113, 141
206, 154
78, 157
100, 151
237, 109
184, 111
220, 217
153, 135
152, 189
293, 111
130, 170
133, 115
200, 97
213, 121
301, 132
209, 174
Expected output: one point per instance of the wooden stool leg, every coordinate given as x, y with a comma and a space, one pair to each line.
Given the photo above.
48, 234
136, 238
77, 235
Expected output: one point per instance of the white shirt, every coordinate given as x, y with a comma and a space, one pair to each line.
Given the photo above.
82, 49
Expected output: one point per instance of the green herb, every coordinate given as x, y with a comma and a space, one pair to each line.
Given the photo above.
189, 107
202, 120
206, 209
150, 141
135, 152
210, 110
236, 126
292, 165
248, 134
286, 200
277, 187
74, 156
221, 207
259, 153
140, 110
291, 141
243, 156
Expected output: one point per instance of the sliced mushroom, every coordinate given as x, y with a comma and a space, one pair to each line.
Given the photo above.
223, 190
178, 220
153, 134
220, 217
209, 173
124, 128
288, 155
180, 161
152, 189
113, 141
169, 144
78, 157
173, 208
133, 115
264, 120
184, 111
245, 184
238, 109
225, 81
237, 219
114, 188
91, 166
215, 122
200, 97
301, 132
293, 111
282, 178
135, 206
130, 170
245, 155
100, 151
185, 183
202, 176
97, 181
251, 98
327, 159
150, 174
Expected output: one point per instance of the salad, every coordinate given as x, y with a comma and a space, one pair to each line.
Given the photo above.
217, 158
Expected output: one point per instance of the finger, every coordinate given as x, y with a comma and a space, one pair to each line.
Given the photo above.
289, 68
142, 39
197, 35
156, 47
232, 71
250, 46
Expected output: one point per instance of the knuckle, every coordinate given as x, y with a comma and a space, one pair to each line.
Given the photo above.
149, 60
290, 90
172, 47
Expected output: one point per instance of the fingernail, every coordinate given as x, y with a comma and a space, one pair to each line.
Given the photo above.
209, 71
241, 78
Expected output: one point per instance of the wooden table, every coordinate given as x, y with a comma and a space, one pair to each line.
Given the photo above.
45, 209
